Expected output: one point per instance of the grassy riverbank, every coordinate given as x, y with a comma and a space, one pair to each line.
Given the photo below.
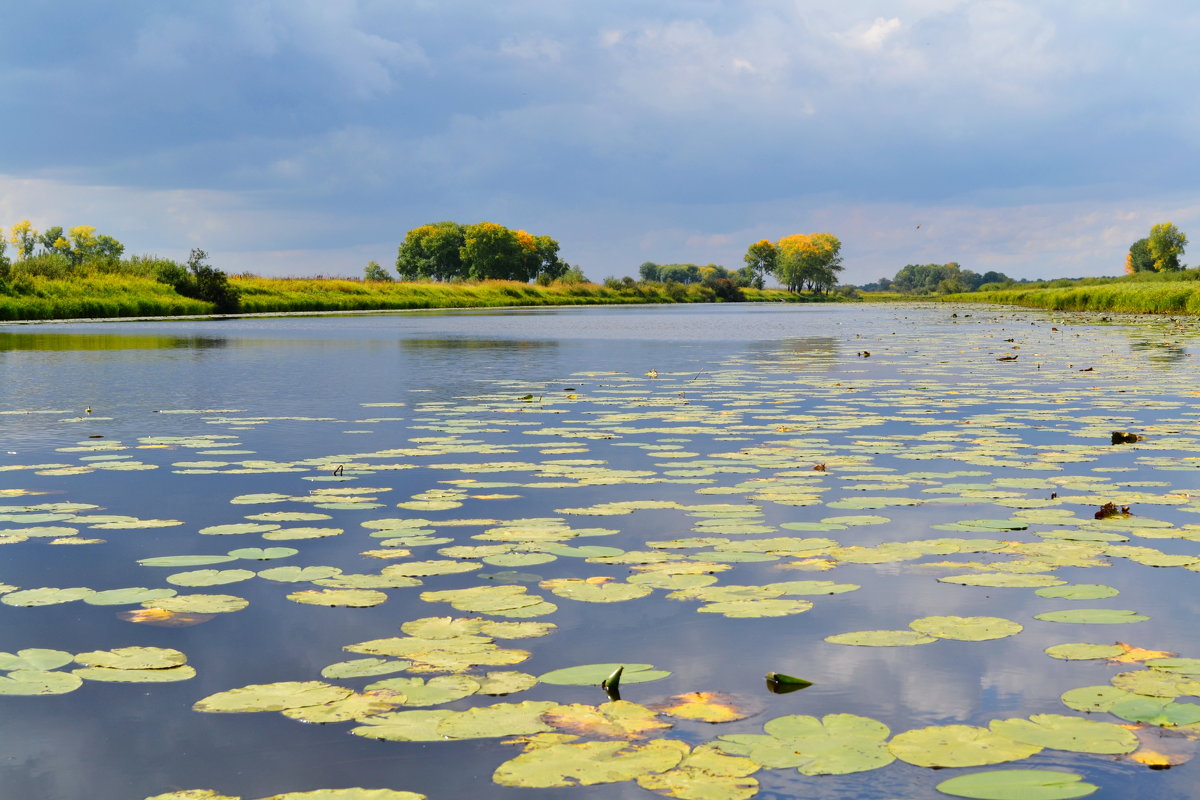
119, 295
1141, 293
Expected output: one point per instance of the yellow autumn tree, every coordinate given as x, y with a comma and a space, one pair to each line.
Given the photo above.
808, 261
24, 237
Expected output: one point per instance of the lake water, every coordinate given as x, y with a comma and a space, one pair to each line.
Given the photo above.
718, 427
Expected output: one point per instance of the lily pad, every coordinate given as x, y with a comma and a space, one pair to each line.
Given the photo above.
596, 590
1092, 616
1082, 651
35, 658
966, 629
36, 682
435, 691
1068, 733
618, 719
880, 638
344, 598
836, 744
133, 658
1018, 784
47, 596
1079, 591
210, 577
184, 561
588, 763
200, 603
113, 675
272, 697
958, 746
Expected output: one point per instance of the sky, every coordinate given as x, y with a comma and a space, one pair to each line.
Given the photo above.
305, 137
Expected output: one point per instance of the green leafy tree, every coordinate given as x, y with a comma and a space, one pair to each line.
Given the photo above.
48, 238
648, 271
1166, 245
494, 252
374, 272
547, 263
761, 258
1138, 259
107, 248
434, 252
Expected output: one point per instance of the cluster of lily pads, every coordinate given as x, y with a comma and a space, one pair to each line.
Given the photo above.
764, 467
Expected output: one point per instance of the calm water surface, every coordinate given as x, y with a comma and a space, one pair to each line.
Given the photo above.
909, 404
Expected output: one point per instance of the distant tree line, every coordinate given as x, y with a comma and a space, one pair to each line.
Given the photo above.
81, 251
450, 251
1158, 252
948, 278
726, 283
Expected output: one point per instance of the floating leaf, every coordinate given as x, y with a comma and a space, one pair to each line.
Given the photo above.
210, 577
298, 574
705, 774
837, 744
703, 707
353, 707
880, 638
776, 607
501, 719
592, 674
45, 596
1068, 733
1156, 711
35, 681
1082, 651
588, 763
615, 719
1092, 616
35, 658
997, 580
1093, 698
958, 746
272, 697
133, 658
595, 590
184, 561
200, 603
354, 793
263, 553
966, 629
364, 668
1018, 784
1079, 591
501, 683
345, 598
113, 675
435, 691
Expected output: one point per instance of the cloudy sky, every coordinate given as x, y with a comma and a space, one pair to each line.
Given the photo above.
296, 137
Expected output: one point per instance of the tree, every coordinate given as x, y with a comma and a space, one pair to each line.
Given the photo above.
761, 258
494, 252
1166, 245
24, 237
206, 282
547, 264
1138, 259
809, 261
648, 271
107, 248
48, 239
374, 272
83, 243
432, 251
5, 268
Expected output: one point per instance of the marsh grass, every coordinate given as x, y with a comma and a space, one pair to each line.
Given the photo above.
99, 293
1156, 293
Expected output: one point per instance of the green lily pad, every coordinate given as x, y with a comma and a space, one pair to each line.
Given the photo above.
998, 580
36, 681
435, 691
263, 553
767, 607
497, 684
1092, 616
1068, 733
35, 658
1079, 591
364, 668
1093, 698
210, 577
353, 707
1156, 711
500, 719
184, 561
966, 629
133, 658
593, 590
47, 596
1018, 784
200, 603
836, 744
1185, 666
238, 528
593, 674
298, 574
130, 596
1082, 651
415, 569
123, 675
958, 746
403, 726
705, 774
588, 763
272, 697
880, 638
345, 598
